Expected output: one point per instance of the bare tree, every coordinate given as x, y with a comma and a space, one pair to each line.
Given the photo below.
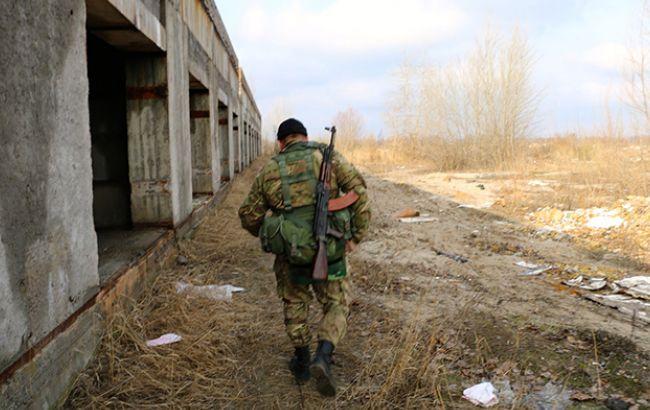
349, 124
637, 89
483, 104
279, 112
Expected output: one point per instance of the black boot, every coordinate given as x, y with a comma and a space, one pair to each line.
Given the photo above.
299, 364
320, 369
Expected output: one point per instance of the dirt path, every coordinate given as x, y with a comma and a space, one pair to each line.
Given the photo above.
423, 326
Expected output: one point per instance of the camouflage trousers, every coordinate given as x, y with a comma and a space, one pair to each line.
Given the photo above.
332, 295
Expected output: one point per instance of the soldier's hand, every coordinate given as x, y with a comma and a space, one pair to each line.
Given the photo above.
350, 246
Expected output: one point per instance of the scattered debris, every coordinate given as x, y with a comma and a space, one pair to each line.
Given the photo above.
418, 219
486, 205
406, 213
182, 260
637, 286
526, 265
537, 182
453, 256
537, 271
550, 397
605, 222
594, 284
635, 308
575, 282
167, 338
586, 283
506, 394
214, 292
482, 394
591, 218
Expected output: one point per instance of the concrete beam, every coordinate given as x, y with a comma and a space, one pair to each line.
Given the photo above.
136, 13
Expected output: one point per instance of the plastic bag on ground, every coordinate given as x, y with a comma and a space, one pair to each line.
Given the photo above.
214, 292
482, 394
167, 338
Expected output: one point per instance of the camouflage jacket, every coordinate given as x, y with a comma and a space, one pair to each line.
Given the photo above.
266, 193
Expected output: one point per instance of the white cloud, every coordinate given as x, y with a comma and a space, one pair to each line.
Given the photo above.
354, 25
609, 56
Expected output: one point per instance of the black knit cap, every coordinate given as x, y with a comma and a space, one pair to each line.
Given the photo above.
291, 126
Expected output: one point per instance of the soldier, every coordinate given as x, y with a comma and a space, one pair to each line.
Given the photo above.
286, 187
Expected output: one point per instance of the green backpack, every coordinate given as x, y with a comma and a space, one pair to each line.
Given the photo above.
289, 231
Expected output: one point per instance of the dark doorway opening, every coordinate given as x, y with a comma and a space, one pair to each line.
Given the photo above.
110, 151
224, 141
117, 242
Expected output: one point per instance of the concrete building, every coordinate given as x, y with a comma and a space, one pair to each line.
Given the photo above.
121, 123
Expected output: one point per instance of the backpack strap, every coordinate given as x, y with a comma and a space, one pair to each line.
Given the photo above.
284, 178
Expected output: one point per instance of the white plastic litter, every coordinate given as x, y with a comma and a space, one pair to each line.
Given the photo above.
526, 265
485, 205
637, 286
482, 394
594, 284
418, 219
167, 338
575, 282
535, 272
214, 292
537, 182
605, 222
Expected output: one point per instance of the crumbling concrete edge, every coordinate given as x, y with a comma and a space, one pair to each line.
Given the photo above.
43, 376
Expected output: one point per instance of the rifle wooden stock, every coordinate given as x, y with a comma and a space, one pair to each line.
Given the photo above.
320, 262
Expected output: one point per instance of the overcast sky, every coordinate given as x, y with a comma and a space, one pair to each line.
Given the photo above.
321, 56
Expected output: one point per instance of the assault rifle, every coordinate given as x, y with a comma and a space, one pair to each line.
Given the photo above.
320, 218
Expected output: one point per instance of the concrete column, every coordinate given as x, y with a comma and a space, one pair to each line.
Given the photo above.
149, 143
225, 139
215, 157
180, 145
201, 137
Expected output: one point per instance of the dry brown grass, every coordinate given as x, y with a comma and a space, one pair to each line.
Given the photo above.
587, 170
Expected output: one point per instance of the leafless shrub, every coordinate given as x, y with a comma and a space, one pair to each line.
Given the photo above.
474, 112
637, 73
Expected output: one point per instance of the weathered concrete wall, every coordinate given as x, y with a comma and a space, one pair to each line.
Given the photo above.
48, 253
43, 384
49, 282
